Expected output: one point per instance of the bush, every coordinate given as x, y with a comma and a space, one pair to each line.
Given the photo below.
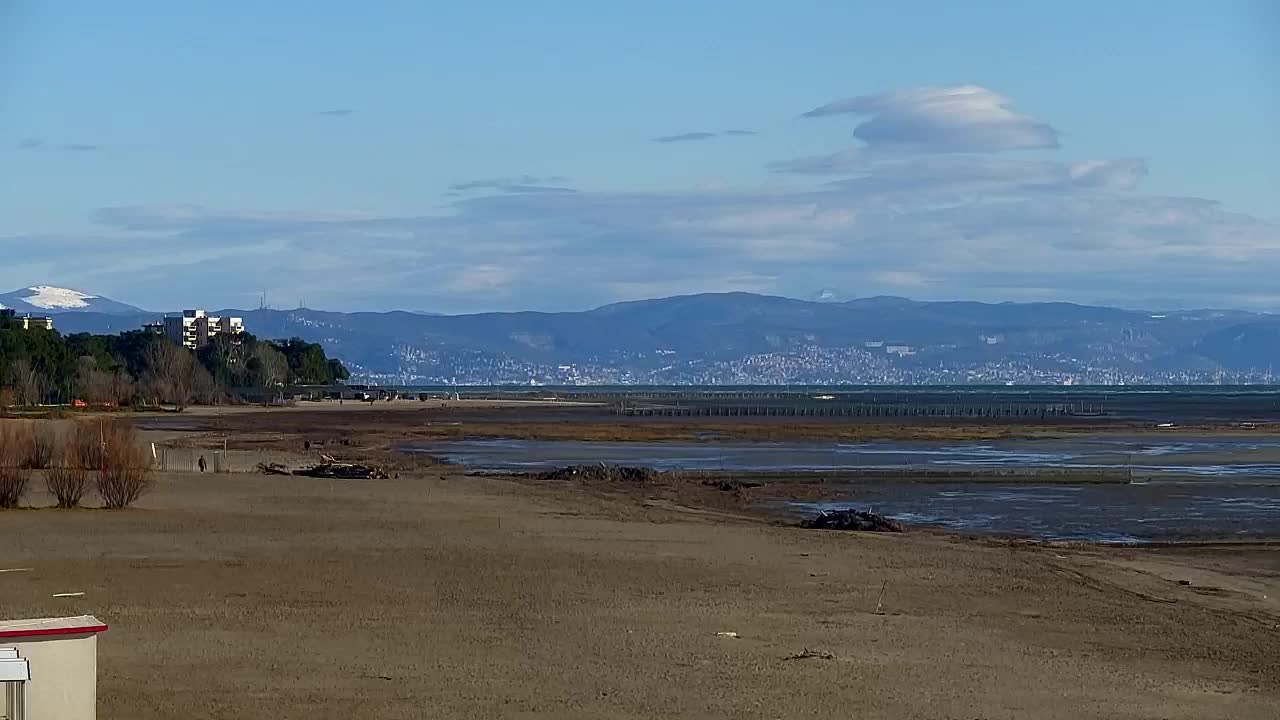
67, 481
40, 442
13, 477
86, 444
124, 469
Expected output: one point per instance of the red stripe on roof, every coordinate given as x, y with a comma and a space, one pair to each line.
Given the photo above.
36, 632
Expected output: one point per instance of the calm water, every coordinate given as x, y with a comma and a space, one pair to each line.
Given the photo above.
1243, 459
1099, 513
1210, 486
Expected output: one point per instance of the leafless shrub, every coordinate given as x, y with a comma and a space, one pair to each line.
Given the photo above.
85, 445
124, 472
39, 440
13, 477
68, 480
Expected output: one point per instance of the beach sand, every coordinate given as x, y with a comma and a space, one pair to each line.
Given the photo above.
435, 594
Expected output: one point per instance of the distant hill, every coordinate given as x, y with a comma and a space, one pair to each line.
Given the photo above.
1250, 344
46, 300
742, 337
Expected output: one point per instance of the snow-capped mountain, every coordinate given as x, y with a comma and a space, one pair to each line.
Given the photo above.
47, 300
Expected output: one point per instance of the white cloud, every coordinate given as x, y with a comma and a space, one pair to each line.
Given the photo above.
482, 279
837, 163
1111, 174
964, 118
926, 207
170, 217
901, 278
955, 226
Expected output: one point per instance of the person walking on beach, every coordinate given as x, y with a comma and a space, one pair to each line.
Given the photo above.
201, 463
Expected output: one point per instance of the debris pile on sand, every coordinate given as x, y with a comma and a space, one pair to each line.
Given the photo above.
808, 654
731, 485
850, 519
344, 471
272, 469
602, 473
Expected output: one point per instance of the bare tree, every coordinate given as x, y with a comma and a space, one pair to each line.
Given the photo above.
171, 373
122, 387
94, 384
204, 389
28, 383
269, 365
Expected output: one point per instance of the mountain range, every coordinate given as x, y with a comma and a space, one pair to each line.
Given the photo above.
46, 300
741, 338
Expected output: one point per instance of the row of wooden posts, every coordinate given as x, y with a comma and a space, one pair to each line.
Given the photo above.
861, 410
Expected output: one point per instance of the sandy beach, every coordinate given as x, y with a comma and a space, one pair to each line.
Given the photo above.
438, 594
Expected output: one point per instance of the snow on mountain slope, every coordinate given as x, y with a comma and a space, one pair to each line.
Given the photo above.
53, 298
47, 299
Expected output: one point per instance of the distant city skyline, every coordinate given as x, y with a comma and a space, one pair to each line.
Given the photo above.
501, 156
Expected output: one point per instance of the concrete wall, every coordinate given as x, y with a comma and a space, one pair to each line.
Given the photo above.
64, 675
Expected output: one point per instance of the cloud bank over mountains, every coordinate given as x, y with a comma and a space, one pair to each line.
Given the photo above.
942, 192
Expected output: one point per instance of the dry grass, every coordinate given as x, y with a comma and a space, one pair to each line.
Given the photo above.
13, 454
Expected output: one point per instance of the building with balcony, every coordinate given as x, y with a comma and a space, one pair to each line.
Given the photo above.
194, 328
11, 318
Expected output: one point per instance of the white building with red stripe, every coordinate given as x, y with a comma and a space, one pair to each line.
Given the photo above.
59, 659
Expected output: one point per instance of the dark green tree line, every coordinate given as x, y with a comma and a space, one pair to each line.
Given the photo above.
137, 367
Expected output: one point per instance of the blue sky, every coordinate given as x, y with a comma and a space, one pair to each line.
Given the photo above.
459, 157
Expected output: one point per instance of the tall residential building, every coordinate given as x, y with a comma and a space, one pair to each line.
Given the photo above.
193, 328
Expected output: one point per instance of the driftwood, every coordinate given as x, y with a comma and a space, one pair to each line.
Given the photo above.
602, 472
732, 485
808, 654
272, 469
850, 519
343, 471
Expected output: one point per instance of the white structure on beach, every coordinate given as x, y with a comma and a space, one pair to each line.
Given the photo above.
49, 668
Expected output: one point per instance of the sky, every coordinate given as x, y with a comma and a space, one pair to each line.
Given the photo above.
466, 157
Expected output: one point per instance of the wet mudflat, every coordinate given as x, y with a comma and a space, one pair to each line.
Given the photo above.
1160, 487
1157, 512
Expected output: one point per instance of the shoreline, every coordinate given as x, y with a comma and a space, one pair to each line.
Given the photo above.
390, 438
610, 598
368, 435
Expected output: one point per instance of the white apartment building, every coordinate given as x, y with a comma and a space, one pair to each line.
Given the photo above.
10, 318
193, 328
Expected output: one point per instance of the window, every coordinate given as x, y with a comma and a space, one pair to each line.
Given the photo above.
14, 674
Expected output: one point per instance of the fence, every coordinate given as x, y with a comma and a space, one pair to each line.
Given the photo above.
171, 459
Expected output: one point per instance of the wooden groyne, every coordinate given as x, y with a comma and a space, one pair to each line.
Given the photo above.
860, 410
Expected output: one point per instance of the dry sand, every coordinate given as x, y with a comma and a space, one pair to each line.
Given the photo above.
439, 595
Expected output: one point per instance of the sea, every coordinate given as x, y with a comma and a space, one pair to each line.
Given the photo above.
1155, 481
